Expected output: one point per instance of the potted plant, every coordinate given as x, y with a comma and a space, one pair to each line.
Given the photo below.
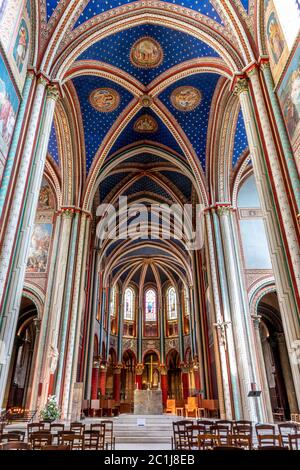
51, 411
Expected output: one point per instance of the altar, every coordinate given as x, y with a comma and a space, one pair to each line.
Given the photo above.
148, 402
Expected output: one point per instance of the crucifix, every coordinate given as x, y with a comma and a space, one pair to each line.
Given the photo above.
151, 364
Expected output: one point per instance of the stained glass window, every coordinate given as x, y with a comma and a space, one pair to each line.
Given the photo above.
150, 305
172, 305
186, 302
112, 307
129, 304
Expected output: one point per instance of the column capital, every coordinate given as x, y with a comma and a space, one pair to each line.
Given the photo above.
256, 320
163, 369
118, 367
53, 92
241, 86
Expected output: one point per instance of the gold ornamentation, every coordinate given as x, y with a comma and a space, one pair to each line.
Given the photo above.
146, 101
241, 86
186, 98
105, 100
145, 123
53, 92
139, 369
146, 53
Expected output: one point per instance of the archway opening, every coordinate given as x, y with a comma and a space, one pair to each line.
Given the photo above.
277, 364
20, 374
174, 375
151, 376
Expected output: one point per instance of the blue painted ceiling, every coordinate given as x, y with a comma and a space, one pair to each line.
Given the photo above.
97, 124
162, 135
177, 47
240, 140
195, 122
53, 147
95, 7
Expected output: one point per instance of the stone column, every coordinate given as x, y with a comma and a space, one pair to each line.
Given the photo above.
185, 381
95, 379
197, 311
222, 321
15, 147
192, 320
25, 195
77, 308
117, 382
286, 372
120, 327
247, 362
180, 329
102, 379
164, 383
286, 146
280, 227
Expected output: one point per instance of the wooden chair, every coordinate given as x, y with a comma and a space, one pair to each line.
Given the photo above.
47, 425
272, 448
208, 441
39, 439
180, 433
171, 407
287, 429
10, 437
77, 427
74, 441
222, 431
294, 441
242, 428
192, 433
34, 427
206, 423
56, 447
55, 428
262, 429
240, 440
109, 434
227, 448
191, 408
91, 440
15, 446
269, 440
226, 422
20, 433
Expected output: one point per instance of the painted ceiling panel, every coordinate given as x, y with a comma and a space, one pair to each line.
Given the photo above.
181, 182
144, 185
194, 123
240, 140
52, 146
145, 158
245, 4
95, 7
96, 124
107, 185
50, 7
176, 46
162, 135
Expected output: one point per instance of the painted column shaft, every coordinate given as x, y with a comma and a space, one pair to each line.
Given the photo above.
13, 292
120, 329
284, 285
10, 162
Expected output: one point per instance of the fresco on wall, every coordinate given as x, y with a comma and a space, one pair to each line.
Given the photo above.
39, 248
46, 197
277, 47
15, 36
9, 103
21, 46
289, 97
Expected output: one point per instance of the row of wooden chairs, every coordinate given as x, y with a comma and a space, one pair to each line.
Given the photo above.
187, 435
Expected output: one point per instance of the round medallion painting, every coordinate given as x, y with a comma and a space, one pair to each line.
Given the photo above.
186, 98
105, 100
145, 123
146, 53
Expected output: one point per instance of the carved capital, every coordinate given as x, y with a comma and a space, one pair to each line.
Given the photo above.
256, 320
241, 86
139, 369
53, 92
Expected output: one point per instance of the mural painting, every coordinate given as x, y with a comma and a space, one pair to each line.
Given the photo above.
277, 47
9, 103
289, 97
39, 248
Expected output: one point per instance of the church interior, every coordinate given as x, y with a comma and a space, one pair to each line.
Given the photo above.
182, 116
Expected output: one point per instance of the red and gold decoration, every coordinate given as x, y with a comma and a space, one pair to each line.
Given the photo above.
145, 123
186, 98
146, 53
105, 100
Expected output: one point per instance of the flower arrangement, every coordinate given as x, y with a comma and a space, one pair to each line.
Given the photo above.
51, 411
